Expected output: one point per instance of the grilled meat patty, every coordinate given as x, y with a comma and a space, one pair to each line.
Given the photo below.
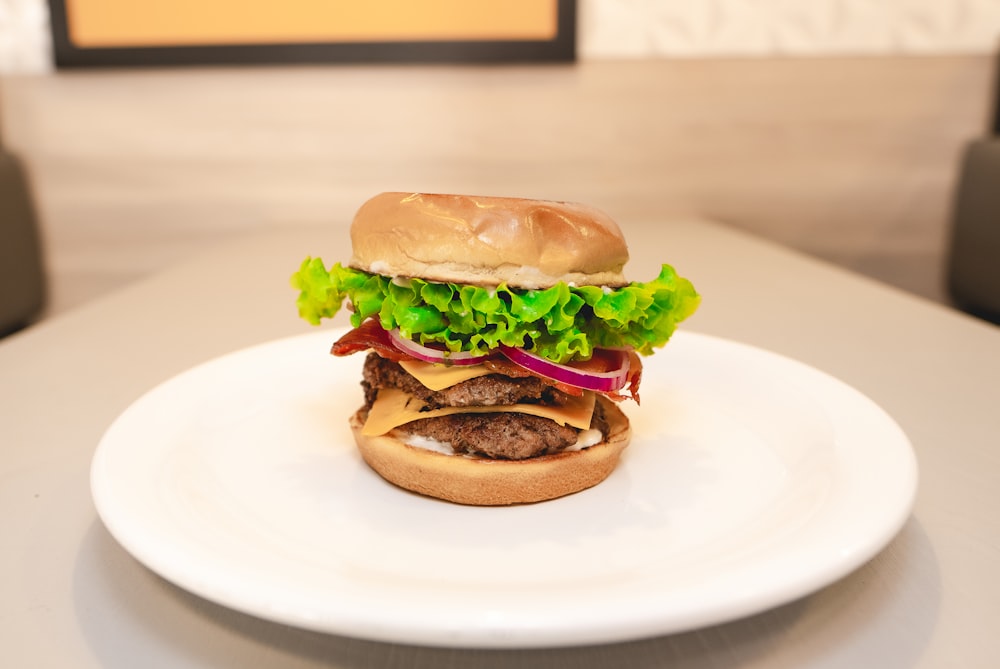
489, 390
508, 436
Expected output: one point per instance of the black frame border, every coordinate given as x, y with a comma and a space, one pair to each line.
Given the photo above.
562, 48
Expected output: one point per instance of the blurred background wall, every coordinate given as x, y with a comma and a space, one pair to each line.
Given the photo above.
684, 28
835, 127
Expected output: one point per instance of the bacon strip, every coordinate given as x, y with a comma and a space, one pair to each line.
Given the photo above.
368, 337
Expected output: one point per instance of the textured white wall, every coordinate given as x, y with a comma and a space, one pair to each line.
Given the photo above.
692, 28
685, 28
25, 45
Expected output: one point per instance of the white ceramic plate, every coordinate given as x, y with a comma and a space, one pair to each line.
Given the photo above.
751, 480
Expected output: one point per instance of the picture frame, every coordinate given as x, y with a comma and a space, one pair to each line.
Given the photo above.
78, 43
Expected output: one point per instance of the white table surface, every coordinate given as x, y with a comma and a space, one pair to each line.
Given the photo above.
72, 597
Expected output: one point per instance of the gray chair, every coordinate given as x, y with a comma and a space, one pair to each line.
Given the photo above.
22, 279
973, 263
974, 259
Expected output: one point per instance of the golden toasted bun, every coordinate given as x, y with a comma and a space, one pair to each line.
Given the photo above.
484, 482
487, 241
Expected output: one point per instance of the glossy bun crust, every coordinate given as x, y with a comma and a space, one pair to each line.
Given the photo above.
487, 241
484, 482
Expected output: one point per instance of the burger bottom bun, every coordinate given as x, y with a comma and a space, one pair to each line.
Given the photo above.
485, 482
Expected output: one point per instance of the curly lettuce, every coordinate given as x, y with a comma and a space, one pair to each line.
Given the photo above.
561, 323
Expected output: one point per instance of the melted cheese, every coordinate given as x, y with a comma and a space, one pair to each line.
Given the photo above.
439, 377
393, 408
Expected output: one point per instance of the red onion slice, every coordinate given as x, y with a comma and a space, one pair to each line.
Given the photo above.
613, 376
437, 356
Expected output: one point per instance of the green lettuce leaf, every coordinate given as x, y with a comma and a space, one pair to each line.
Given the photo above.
561, 323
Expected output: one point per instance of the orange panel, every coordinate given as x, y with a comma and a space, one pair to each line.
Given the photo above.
132, 23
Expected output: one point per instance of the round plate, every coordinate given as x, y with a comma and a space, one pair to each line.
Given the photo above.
751, 480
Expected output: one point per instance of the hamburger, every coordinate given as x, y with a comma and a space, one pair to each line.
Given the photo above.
500, 336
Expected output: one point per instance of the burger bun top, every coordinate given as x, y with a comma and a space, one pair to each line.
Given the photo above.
487, 241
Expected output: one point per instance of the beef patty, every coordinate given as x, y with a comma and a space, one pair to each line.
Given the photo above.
489, 390
501, 435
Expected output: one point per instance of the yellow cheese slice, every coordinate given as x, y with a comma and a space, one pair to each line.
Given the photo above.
393, 408
439, 377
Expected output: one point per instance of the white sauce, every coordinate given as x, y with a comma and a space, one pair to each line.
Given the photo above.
586, 439
429, 444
